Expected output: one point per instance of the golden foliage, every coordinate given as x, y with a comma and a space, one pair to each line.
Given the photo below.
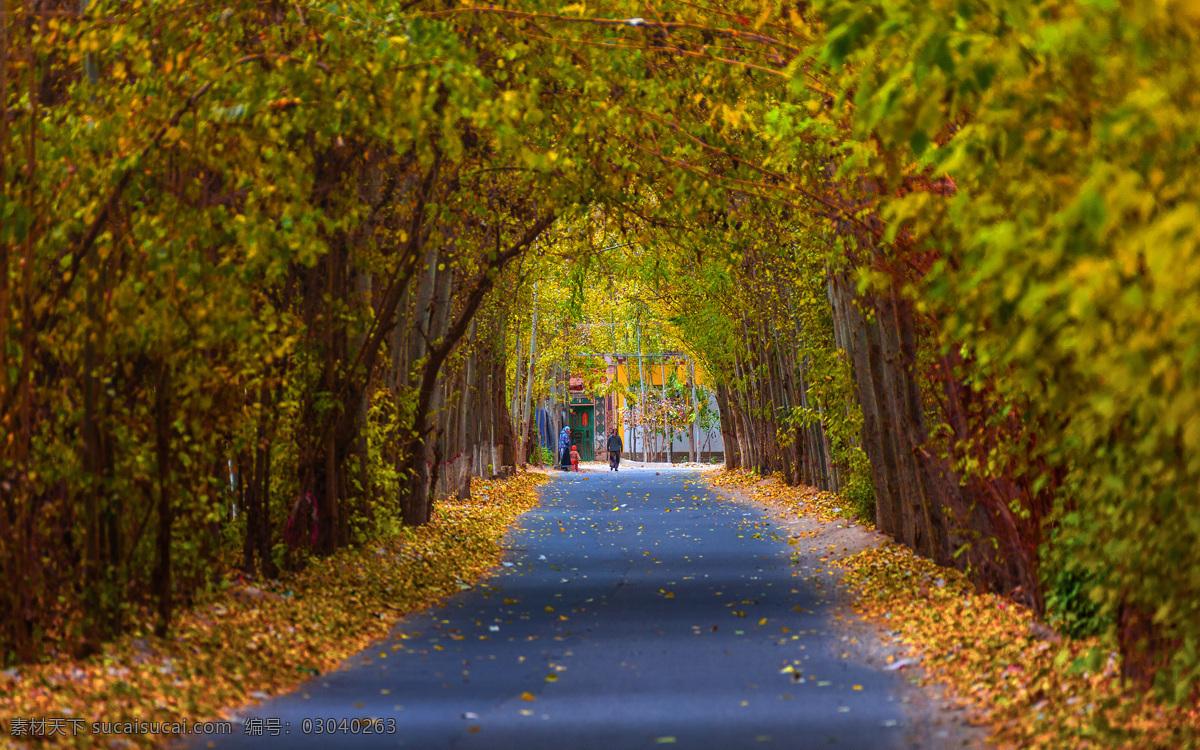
1030, 686
803, 501
237, 647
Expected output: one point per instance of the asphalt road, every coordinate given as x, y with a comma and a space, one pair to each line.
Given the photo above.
633, 610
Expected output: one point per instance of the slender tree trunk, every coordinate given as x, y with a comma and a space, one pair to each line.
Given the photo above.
666, 412
729, 433
362, 284
692, 454
853, 332
525, 414
251, 466
642, 384
466, 403
743, 409
401, 343
514, 403
508, 439
93, 463
162, 548
266, 561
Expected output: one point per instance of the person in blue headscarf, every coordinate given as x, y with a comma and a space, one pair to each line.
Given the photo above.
564, 448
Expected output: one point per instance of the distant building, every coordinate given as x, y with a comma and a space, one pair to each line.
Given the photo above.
614, 402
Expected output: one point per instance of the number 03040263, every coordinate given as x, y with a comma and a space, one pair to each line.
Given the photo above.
348, 726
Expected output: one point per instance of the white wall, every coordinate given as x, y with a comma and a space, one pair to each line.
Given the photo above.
681, 445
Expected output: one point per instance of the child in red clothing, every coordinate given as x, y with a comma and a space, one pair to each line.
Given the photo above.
574, 458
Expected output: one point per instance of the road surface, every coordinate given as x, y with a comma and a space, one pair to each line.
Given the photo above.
634, 609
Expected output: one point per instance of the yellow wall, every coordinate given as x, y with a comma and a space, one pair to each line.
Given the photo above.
653, 371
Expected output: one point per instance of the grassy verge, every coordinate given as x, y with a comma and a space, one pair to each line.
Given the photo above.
246, 644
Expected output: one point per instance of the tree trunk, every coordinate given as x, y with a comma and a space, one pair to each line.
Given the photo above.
465, 445
162, 548
729, 432
695, 412
525, 415
642, 403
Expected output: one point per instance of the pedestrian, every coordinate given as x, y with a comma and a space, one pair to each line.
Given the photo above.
615, 446
564, 448
574, 458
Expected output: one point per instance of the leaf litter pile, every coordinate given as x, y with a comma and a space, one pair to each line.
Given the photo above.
246, 644
802, 501
1030, 686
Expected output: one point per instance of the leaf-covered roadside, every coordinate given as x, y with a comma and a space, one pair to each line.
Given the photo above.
803, 501
1030, 686
245, 644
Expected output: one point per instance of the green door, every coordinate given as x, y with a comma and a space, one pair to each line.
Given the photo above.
583, 430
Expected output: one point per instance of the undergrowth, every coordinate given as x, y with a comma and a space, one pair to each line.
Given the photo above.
242, 644
1031, 687
1028, 685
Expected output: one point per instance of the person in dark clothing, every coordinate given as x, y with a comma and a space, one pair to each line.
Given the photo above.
564, 448
615, 446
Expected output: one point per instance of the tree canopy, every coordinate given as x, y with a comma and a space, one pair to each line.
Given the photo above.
267, 269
